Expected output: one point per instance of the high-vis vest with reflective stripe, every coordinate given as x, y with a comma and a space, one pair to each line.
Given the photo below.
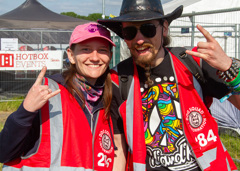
66, 140
203, 139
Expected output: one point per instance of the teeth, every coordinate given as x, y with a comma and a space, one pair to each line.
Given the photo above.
94, 66
142, 48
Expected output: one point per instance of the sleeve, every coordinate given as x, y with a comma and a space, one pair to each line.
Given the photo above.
116, 118
215, 86
15, 133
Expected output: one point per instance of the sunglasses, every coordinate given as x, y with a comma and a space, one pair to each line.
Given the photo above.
148, 30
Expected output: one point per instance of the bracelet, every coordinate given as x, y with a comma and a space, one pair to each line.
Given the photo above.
236, 88
230, 75
234, 82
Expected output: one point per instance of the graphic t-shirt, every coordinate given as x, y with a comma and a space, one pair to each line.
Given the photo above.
166, 145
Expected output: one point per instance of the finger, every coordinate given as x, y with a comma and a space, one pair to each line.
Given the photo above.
52, 94
206, 34
38, 88
40, 76
203, 51
203, 45
49, 91
197, 54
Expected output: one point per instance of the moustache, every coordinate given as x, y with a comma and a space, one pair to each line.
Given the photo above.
144, 45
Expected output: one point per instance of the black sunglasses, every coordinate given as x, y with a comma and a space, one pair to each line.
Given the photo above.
148, 30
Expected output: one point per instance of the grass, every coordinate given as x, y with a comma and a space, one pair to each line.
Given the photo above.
1, 127
231, 143
11, 105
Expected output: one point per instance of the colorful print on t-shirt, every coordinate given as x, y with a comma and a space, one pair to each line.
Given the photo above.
165, 142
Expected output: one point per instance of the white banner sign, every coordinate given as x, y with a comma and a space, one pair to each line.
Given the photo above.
30, 60
9, 44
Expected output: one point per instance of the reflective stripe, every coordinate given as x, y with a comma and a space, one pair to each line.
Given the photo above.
25, 168
228, 165
207, 158
139, 167
197, 86
129, 116
56, 125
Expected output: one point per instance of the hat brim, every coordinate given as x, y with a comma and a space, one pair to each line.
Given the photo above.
115, 24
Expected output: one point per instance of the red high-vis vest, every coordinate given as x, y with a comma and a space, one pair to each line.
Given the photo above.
204, 140
66, 139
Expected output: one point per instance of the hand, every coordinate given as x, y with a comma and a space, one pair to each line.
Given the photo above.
39, 94
211, 52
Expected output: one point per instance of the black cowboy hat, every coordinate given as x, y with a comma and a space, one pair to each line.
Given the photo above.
143, 10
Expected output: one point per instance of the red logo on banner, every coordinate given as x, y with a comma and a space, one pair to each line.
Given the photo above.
6, 60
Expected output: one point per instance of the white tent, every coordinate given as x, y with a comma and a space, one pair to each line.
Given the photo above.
224, 26
170, 6
209, 5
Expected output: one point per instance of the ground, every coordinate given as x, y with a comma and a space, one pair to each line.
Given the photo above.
3, 116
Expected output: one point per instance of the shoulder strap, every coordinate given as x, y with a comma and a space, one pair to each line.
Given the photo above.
125, 74
189, 62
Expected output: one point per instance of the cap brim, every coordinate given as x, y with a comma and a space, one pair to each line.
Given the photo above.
115, 23
81, 40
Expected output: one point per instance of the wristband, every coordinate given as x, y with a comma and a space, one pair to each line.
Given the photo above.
234, 82
230, 75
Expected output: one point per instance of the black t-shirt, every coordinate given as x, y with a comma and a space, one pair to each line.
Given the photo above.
166, 145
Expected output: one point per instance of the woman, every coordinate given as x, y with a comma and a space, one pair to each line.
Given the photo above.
63, 122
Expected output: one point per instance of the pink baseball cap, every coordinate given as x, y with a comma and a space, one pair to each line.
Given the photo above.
88, 31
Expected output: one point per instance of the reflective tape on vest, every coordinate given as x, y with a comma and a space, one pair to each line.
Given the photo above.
207, 158
129, 115
25, 168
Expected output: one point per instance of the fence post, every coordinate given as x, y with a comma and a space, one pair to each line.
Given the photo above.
192, 19
236, 35
238, 42
41, 40
225, 44
114, 51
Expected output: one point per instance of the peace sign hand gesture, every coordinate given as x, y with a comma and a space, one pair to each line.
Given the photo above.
38, 94
211, 52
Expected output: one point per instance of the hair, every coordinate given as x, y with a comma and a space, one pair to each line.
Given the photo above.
69, 75
167, 39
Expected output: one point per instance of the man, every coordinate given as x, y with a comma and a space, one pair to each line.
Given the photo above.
164, 119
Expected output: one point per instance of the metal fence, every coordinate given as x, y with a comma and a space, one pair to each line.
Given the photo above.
17, 83
223, 25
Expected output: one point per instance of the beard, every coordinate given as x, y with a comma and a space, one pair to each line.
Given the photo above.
144, 60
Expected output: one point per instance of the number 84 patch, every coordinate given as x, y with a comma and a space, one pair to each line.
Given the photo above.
203, 139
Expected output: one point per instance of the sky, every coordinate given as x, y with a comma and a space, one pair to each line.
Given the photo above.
80, 7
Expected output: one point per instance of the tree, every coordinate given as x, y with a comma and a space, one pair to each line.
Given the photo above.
91, 17
70, 14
